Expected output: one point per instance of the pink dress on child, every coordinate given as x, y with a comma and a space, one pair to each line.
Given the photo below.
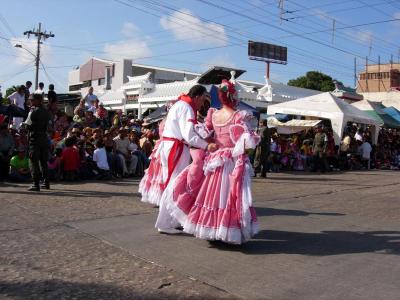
151, 186
213, 200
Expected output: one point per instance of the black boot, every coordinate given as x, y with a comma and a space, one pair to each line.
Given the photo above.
35, 187
45, 185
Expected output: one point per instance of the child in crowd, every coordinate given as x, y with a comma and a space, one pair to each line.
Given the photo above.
100, 158
70, 160
54, 165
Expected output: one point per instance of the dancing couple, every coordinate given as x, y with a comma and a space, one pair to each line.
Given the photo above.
200, 174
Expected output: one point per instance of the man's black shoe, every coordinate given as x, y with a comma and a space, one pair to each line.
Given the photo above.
45, 185
34, 188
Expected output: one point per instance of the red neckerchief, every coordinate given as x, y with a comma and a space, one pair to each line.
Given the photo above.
188, 100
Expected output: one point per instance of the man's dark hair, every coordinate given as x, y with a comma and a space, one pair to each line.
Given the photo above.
28, 83
51, 87
99, 144
41, 84
197, 90
38, 97
70, 141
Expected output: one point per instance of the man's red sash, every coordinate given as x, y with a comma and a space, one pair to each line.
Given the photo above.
173, 156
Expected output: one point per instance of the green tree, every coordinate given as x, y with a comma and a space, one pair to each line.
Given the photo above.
315, 81
9, 91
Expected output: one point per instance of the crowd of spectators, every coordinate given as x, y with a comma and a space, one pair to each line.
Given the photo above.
88, 145
315, 150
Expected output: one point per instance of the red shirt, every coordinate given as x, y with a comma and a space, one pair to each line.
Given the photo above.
70, 159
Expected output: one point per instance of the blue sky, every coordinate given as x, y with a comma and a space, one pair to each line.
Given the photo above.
195, 34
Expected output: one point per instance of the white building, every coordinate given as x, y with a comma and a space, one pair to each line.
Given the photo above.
137, 88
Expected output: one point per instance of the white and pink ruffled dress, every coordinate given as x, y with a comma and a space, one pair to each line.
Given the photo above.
151, 186
213, 200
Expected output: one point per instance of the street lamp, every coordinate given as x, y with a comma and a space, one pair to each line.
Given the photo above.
36, 63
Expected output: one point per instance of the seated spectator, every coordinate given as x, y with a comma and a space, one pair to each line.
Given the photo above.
61, 124
6, 150
90, 119
113, 159
19, 167
54, 165
80, 109
70, 160
100, 158
122, 146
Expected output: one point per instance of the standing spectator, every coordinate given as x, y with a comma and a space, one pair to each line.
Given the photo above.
90, 98
40, 89
37, 121
262, 151
52, 98
6, 150
19, 166
319, 150
365, 152
90, 119
18, 99
28, 85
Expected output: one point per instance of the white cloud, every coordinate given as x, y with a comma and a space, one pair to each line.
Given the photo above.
185, 26
27, 53
221, 61
130, 30
135, 46
365, 36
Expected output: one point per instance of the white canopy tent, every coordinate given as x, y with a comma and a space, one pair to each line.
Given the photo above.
327, 106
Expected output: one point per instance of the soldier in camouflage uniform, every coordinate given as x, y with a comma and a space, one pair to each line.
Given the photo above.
319, 150
263, 150
37, 123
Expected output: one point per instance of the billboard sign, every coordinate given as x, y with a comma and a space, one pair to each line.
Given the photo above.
267, 52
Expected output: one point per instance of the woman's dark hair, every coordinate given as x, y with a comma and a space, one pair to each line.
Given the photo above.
197, 90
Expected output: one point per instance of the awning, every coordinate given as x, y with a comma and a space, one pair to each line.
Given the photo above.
292, 126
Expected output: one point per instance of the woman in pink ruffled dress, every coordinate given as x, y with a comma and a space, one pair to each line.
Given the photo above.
212, 197
151, 186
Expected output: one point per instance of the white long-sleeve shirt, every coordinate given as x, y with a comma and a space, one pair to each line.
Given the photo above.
179, 124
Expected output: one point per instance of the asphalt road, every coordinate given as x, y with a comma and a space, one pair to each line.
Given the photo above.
323, 236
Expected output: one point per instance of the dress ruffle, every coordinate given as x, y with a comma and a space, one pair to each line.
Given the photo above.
221, 207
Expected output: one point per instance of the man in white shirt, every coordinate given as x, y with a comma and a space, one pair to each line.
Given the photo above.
173, 151
18, 99
90, 98
40, 90
365, 151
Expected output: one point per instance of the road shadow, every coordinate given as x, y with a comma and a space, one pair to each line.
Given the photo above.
59, 289
318, 244
72, 193
267, 211
295, 178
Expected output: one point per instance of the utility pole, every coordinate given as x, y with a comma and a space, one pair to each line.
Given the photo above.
40, 36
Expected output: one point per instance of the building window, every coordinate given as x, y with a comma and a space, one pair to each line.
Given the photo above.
101, 81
